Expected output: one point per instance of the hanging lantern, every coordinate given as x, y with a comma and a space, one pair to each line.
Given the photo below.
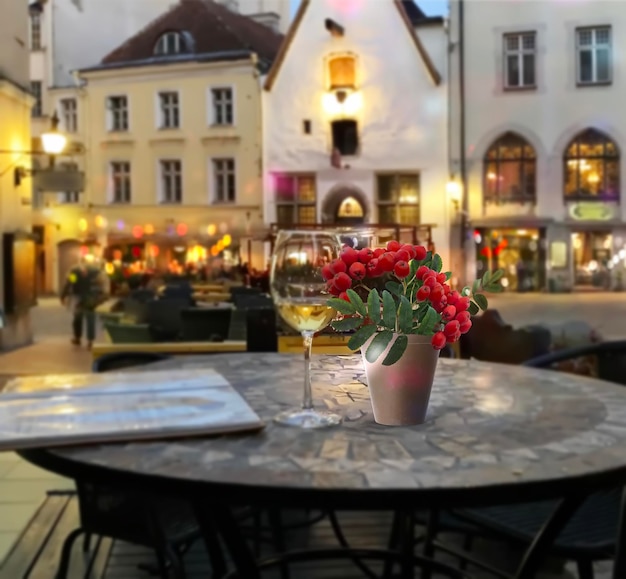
117, 255
223, 227
181, 229
211, 229
136, 251
148, 229
214, 251
227, 240
137, 231
84, 250
120, 225
154, 251
82, 224
109, 268
101, 222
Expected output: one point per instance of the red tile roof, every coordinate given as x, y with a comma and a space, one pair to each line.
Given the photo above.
213, 28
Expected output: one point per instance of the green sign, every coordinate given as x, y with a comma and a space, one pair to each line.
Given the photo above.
592, 211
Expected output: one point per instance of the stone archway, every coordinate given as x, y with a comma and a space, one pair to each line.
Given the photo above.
345, 205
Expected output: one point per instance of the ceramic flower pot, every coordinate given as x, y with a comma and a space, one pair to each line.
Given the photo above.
400, 392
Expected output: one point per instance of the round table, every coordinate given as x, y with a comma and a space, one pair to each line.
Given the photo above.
494, 434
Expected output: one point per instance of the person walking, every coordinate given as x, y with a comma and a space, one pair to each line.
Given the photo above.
84, 292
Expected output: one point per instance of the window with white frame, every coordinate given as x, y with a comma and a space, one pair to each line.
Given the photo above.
224, 180
35, 30
68, 197
35, 89
170, 43
520, 60
117, 113
593, 55
120, 181
222, 106
171, 181
69, 115
169, 114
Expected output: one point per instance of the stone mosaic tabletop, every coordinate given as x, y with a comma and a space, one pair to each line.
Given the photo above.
488, 424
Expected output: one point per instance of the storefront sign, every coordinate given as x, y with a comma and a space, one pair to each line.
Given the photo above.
592, 211
558, 254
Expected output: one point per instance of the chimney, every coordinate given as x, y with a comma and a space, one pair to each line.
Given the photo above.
269, 19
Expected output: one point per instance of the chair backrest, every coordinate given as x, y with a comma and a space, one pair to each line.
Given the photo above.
237, 329
164, 318
121, 360
129, 333
136, 310
204, 324
261, 330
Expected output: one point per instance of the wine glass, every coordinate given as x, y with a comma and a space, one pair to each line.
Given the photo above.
300, 294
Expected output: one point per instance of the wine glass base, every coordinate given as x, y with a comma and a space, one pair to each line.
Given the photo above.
308, 419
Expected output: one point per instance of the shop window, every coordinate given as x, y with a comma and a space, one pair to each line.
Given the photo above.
510, 170
296, 199
591, 168
345, 137
342, 72
398, 199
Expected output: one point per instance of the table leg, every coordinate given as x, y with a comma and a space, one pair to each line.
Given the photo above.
219, 520
544, 540
619, 566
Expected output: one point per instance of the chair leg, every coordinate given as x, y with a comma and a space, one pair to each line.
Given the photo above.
66, 553
468, 543
585, 569
276, 528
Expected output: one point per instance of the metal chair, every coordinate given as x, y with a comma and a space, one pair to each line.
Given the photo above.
591, 533
168, 526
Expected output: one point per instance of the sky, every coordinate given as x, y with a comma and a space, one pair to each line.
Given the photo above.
429, 7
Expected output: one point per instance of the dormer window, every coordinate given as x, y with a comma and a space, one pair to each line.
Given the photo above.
342, 72
170, 43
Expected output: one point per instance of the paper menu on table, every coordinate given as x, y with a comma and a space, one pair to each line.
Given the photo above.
122, 407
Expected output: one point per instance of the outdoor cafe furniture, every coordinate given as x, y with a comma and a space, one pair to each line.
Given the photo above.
495, 435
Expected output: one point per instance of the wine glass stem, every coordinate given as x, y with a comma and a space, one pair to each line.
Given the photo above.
307, 400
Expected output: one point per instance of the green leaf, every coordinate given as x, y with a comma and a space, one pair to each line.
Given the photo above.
473, 309
346, 324
357, 302
389, 311
405, 315
481, 301
496, 276
414, 267
378, 345
431, 319
494, 288
373, 306
395, 288
448, 275
422, 310
437, 263
466, 291
476, 286
486, 278
342, 306
397, 349
361, 336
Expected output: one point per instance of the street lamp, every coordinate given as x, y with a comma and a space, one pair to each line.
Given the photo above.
53, 143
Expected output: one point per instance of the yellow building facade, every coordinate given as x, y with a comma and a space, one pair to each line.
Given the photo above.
168, 132
15, 197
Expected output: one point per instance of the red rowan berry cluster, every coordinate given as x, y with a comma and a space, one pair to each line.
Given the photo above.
415, 272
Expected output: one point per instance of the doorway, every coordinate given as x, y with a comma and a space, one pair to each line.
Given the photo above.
592, 253
344, 206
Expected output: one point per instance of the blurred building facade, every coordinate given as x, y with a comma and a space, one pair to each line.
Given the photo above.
68, 38
15, 199
538, 134
355, 120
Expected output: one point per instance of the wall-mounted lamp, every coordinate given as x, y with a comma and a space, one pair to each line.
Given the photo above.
454, 191
333, 27
53, 143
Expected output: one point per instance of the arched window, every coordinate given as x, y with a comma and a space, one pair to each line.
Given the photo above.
591, 167
510, 170
170, 43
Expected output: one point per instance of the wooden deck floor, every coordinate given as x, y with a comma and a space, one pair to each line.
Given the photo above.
36, 555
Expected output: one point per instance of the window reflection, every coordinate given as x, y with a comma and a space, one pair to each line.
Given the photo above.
509, 170
591, 168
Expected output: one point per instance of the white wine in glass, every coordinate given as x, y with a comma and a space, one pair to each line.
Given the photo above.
300, 294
